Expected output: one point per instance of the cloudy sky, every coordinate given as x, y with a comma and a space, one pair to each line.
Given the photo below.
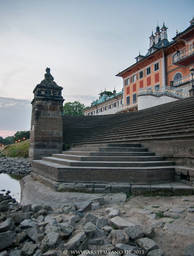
84, 42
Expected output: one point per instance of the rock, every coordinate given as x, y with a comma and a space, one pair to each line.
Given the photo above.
6, 239
32, 233
191, 209
95, 206
177, 210
156, 252
26, 208
28, 223
68, 208
118, 236
8, 224
20, 237
36, 208
76, 241
89, 229
134, 231
101, 222
189, 250
66, 229
112, 212
120, 223
20, 216
50, 253
28, 248
50, 240
147, 244
4, 253
15, 252
4, 206
96, 241
91, 218
125, 247
107, 229
83, 206
74, 219
149, 231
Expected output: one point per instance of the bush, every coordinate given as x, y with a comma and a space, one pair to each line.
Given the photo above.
20, 149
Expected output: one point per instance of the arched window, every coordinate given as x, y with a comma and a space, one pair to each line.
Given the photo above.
177, 79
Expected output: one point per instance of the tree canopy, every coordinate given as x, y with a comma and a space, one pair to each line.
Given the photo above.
73, 108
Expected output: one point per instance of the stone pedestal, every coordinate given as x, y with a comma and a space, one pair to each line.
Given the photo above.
46, 135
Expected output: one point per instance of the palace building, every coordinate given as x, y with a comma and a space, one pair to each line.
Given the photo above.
108, 103
165, 71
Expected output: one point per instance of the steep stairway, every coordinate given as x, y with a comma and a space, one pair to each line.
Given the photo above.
168, 121
125, 163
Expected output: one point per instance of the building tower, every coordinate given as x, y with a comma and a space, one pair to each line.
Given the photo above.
152, 40
164, 32
157, 35
46, 135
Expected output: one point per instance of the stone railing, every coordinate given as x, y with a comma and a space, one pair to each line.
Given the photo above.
183, 54
161, 92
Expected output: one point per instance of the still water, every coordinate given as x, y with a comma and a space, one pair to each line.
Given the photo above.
12, 184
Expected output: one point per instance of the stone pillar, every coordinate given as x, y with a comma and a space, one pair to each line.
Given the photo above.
46, 136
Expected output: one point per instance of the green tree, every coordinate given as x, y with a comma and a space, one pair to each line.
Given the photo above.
73, 108
9, 140
21, 135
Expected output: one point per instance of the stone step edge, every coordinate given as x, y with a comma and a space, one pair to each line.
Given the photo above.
67, 167
173, 188
63, 160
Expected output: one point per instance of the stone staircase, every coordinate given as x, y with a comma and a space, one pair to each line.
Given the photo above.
170, 121
125, 163
112, 151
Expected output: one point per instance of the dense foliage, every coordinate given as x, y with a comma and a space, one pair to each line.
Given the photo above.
18, 136
73, 108
17, 149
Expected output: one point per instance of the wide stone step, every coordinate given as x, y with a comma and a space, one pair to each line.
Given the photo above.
107, 164
94, 153
178, 135
108, 158
132, 175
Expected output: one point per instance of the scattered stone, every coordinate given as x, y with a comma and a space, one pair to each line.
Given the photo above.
91, 218
32, 233
95, 205
6, 239
83, 206
28, 248
191, 209
96, 241
74, 219
50, 253
90, 229
8, 224
112, 212
125, 247
15, 252
147, 244
28, 223
134, 231
4, 253
76, 241
189, 250
66, 229
101, 222
50, 240
118, 236
120, 223
156, 252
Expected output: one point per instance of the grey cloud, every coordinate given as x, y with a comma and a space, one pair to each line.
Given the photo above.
15, 114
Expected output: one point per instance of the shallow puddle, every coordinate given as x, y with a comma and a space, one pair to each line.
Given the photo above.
12, 184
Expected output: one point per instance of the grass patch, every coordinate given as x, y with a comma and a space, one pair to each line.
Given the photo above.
20, 149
